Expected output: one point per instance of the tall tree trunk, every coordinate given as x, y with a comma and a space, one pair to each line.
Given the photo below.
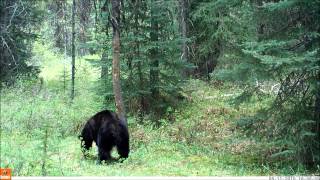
104, 58
137, 9
317, 105
259, 20
115, 20
96, 16
316, 130
84, 15
154, 52
104, 67
73, 49
8, 61
65, 45
183, 5
3, 18
58, 32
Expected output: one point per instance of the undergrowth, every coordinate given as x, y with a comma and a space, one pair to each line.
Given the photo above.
201, 140
39, 129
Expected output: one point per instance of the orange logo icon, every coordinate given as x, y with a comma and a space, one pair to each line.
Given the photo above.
5, 174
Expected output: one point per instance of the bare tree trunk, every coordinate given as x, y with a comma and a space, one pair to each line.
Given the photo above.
154, 58
3, 58
84, 15
115, 20
104, 67
96, 16
104, 58
65, 45
317, 106
57, 6
183, 5
154, 54
142, 105
317, 116
73, 49
6, 58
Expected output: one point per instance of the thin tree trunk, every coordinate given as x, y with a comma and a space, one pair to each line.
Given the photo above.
141, 97
115, 20
317, 105
73, 49
104, 68
96, 16
65, 45
260, 23
142, 106
84, 14
6, 56
58, 34
183, 4
317, 115
3, 17
104, 58
154, 53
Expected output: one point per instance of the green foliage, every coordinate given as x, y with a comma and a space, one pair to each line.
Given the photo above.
136, 59
18, 19
199, 141
217, 27
283, 53
263, 56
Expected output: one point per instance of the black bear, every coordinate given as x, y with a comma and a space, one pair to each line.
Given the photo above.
107, 130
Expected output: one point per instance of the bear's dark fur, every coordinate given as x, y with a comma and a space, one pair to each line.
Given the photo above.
107, 130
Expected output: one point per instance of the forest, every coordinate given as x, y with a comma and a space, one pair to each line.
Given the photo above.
203, 87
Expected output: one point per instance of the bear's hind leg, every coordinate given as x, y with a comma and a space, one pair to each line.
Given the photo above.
104, 155
122, 142
105, 144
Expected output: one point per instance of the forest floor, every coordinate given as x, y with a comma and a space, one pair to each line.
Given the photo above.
40, 127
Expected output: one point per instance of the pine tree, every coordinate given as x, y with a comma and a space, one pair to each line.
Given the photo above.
151, 48
17, 20
283, 49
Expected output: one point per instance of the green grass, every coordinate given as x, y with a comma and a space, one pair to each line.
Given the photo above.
202, 140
